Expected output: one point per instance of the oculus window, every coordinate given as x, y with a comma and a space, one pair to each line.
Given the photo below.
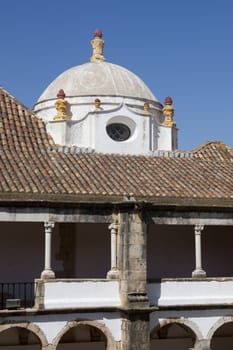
118, 131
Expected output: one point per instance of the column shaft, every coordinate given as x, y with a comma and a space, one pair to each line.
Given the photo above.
198, 272
48, 272
114, 272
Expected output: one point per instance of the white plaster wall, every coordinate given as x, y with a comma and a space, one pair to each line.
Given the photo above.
167, 138
87, 126
191, 292
171, 251
92, 251
53, 324
21, 251
139, 140
70, 294
201, 322
90, 132
217, 243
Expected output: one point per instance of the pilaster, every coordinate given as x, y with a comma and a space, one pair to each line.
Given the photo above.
132, 260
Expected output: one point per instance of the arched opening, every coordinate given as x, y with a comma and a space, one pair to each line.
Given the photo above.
83, 337
223, 337
172, 336
19, 338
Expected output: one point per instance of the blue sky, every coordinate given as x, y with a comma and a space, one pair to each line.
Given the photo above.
181, 48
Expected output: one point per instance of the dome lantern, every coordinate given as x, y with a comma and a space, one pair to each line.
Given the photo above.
97, 45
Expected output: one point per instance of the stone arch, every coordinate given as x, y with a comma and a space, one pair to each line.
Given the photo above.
31, 327
223, 321
186, 324
110, 345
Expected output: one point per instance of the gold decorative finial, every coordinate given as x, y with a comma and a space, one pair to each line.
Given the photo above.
97, 44
146, 107
97, 103
61, 106
168, 112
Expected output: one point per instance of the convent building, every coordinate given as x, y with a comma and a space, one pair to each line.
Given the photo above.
111, 237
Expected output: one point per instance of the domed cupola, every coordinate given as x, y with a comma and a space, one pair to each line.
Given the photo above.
102, 106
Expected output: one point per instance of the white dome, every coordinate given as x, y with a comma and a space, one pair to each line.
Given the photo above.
98, 79
97, 104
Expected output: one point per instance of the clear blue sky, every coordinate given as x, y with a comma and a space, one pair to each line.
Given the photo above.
181, 48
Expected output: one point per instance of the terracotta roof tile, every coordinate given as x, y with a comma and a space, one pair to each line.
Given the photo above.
214, 150
30, 164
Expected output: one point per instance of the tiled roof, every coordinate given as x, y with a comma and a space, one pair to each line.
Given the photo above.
33, 168
214, 150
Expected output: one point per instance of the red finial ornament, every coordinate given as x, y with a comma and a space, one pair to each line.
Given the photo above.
98, 33
61, 94
168, 100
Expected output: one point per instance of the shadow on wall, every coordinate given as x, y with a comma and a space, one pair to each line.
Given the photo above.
171, 251
82, 251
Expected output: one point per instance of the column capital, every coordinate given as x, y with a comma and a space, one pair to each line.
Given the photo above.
49, 225
199, 228
114, 227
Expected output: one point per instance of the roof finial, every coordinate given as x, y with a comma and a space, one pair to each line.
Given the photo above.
168, 112
97, 103
61, 106
97, 45
146, 107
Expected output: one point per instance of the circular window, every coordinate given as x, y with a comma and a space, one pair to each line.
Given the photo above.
118, 131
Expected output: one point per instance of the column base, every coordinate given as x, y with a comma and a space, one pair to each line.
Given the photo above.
113, 274
47, 274
199, 273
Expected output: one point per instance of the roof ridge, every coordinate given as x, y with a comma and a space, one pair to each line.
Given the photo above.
70, 149
214, 150
207, 143
6, 92
19, 103
173, 154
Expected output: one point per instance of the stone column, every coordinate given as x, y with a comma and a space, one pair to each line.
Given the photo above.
135, 332
114, 272
48, 272
198, 272
202, 344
